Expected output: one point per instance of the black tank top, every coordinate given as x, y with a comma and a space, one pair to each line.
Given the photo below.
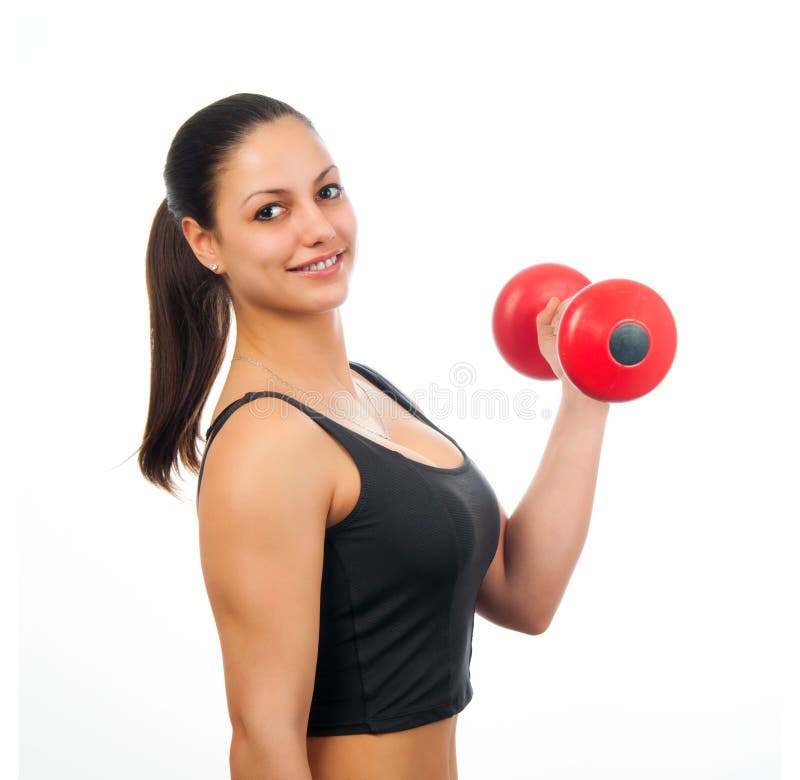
400, 579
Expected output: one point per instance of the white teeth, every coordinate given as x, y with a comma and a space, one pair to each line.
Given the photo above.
320, 265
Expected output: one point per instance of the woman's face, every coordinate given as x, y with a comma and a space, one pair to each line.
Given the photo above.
260, 235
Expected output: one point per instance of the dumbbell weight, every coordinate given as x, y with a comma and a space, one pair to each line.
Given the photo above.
616, 339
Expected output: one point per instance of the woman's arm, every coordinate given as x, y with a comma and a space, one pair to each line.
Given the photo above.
546, 532
541, 541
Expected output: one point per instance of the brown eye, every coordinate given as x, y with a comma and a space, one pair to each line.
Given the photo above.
337, 187
267, 208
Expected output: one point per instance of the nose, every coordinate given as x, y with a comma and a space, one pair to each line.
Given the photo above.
315, 226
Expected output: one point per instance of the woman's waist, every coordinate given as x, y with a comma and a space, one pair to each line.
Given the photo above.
424, 751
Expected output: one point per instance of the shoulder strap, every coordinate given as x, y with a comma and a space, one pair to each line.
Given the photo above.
384, 384
226, 413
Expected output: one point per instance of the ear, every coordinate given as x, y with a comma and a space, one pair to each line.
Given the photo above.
202, 243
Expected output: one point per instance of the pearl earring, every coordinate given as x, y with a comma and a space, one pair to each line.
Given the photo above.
213, 266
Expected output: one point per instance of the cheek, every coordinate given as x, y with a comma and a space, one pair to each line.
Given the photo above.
346, 222
268, 250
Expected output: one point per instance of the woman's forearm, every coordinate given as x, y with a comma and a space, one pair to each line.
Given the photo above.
547, 530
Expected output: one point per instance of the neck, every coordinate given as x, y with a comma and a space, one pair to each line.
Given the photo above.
308, 351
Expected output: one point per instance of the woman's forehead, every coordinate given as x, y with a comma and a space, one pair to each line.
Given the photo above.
277, 155
274, 142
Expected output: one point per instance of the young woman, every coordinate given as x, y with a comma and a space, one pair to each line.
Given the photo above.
346, 541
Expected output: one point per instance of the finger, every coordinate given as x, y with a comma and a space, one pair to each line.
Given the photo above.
545, 316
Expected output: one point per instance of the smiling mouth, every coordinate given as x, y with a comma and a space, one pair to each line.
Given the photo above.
321, 265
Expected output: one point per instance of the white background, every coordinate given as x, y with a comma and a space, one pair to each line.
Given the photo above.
653, 141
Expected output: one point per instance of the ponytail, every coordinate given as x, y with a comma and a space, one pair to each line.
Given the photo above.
189, 326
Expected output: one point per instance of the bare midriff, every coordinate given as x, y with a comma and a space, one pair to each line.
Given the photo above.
424, 753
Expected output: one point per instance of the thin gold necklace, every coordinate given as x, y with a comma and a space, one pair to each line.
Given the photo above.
385, 434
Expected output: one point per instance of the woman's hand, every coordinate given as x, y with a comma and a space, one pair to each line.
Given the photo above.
547, 322
547, 327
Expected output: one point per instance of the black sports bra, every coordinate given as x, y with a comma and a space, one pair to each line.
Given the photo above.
401, 576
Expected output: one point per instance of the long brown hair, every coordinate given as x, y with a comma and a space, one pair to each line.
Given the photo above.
190, 305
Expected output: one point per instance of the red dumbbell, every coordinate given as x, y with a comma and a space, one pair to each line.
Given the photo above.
616, 339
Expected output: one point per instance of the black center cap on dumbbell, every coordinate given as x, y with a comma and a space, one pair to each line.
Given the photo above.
629, 343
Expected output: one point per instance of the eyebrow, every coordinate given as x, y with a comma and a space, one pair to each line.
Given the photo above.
281, 191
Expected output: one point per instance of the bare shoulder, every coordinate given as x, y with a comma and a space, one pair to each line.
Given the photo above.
259, 441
